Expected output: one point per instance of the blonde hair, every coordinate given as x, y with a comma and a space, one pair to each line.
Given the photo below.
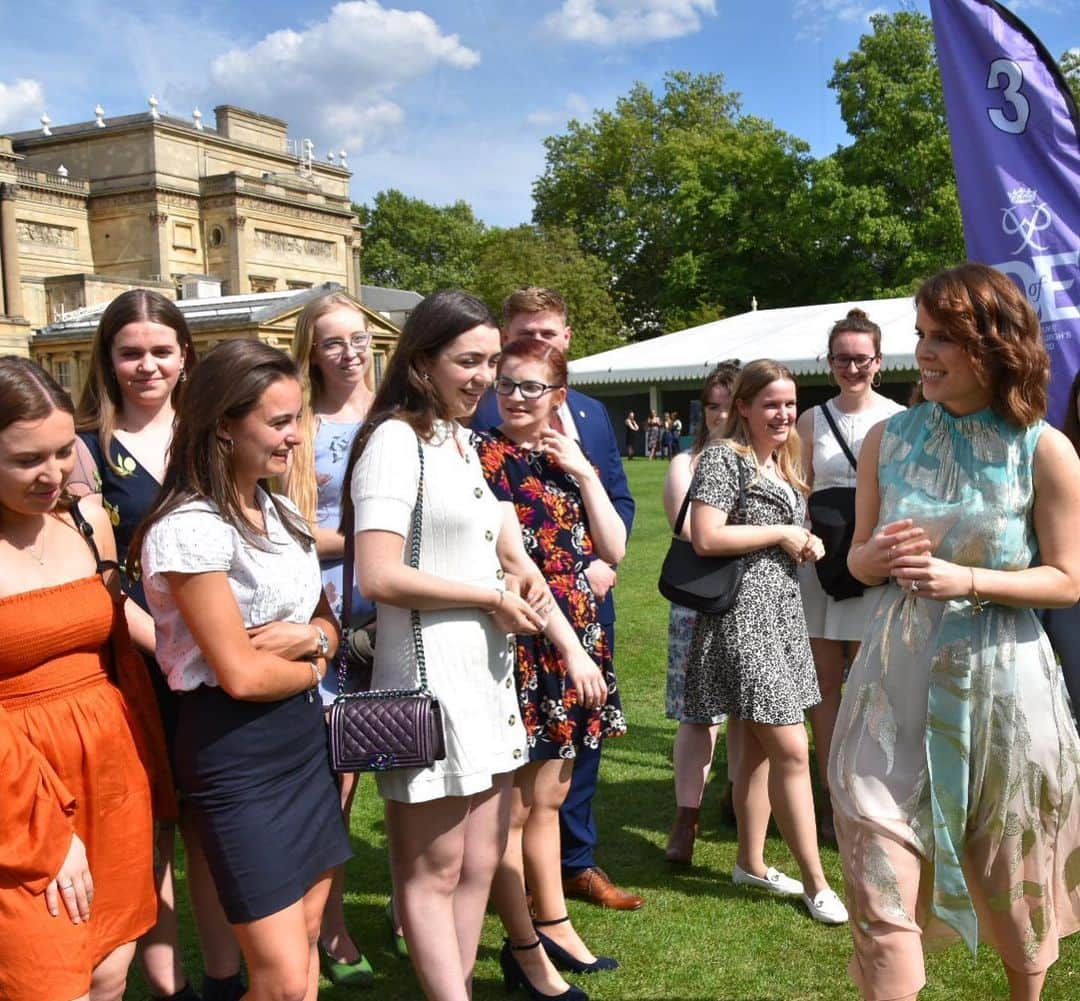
753, 378
302, 486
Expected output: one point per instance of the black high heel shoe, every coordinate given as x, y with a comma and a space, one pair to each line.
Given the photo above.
562, 959
514, 976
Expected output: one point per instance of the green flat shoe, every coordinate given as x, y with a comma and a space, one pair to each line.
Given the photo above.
358, 974
401, 947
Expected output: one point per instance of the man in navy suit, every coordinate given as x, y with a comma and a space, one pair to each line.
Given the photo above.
541, 313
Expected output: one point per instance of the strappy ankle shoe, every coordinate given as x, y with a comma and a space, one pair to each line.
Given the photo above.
563, 959
514, 976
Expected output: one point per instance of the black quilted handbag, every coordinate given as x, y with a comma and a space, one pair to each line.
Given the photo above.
395, 728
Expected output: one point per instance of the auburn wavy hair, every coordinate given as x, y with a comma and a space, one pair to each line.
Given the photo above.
990, 318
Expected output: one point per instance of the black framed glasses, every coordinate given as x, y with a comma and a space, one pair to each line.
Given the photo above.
861, 362
529, 389
335, 347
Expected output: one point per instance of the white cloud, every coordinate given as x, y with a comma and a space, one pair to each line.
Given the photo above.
20, 104
815, 16
623, 22
575, 106
335, 77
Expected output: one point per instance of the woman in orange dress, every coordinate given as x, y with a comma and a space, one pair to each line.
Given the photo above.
76, 828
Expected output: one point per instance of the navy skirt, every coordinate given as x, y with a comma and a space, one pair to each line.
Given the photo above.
257, 785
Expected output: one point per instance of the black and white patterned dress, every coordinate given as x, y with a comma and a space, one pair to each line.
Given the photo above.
753, 661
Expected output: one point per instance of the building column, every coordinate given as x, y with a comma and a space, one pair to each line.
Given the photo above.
9, 252
238, 284
351, 284
159, 248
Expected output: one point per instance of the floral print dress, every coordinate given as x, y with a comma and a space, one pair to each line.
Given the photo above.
556, 534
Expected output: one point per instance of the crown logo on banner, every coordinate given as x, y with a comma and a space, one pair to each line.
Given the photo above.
1023, 196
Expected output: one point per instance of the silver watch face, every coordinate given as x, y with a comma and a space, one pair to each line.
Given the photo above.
324, 641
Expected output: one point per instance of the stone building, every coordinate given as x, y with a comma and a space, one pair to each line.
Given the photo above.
90, 209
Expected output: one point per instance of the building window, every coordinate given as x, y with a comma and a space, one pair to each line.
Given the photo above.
297, 286
183, 236
62, 373
216, 236
378, 361
262, 283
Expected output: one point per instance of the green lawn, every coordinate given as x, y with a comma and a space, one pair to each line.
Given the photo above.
696, 938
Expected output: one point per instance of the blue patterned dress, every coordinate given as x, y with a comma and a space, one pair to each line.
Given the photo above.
955, 760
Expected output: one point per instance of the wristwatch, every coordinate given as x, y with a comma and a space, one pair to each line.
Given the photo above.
322, 642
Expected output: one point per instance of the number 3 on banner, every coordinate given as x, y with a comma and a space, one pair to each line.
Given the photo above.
1014, 79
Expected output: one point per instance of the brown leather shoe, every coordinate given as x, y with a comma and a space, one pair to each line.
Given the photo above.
680, 846
594, 886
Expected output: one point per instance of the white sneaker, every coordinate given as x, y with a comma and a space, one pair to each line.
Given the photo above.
774, 882
827, 908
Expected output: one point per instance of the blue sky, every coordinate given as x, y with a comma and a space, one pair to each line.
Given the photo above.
443, 99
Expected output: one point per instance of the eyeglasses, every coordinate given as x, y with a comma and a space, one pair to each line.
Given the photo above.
529, 389
861, 362
335, 347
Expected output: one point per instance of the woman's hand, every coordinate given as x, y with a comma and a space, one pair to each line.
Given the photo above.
801, 544
73, 885
929, 577
288, 640
514, 614
533, 588
586, 677
566, 453
895, 541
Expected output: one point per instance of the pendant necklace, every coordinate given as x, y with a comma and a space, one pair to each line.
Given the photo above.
39, 556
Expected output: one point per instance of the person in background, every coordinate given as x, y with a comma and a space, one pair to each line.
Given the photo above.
140, 359
652, 435
541, 313
78, 724
245, 633
695, 739
836, 627
632, 430
676, 435
1063, 624
753, 661
665, 437
955, 760
447, 824
331, 348
569, 700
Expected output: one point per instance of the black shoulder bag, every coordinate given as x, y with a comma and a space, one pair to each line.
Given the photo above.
393, 728
832, 519
702, 583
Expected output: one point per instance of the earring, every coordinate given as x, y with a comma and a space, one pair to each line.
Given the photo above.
876, 381
226, 443
183, 375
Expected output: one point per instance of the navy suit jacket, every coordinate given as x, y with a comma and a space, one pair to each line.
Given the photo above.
598, 442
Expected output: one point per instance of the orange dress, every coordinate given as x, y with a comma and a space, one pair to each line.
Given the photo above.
69, 761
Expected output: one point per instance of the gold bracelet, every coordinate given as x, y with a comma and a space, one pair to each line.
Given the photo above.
500, 593
977, 605
315, 672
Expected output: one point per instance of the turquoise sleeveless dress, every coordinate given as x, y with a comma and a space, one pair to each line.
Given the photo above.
955, 748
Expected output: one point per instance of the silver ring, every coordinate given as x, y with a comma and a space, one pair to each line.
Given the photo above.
67, 886
914, 586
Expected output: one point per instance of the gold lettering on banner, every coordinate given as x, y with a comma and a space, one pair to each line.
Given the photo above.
294, 246
43, 232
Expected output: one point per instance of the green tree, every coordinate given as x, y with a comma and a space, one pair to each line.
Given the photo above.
412, 244
529, 255
888, 200
615, 182
1070, 66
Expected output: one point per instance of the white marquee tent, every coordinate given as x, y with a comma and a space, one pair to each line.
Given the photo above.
794, 335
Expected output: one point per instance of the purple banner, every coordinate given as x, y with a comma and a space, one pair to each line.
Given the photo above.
1014, 130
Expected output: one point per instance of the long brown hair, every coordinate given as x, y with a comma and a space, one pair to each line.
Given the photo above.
302, 487
723, 376
29, 393
990, 318
1071, 427
227, 385
754, 377
102, 399
404, 393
